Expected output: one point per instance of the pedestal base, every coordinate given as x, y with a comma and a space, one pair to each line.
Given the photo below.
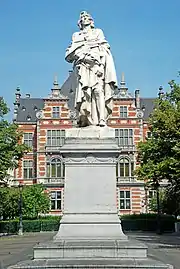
92, 255
90, 227
96, 249
92, 264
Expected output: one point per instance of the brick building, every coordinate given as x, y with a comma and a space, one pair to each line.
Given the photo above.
43, 122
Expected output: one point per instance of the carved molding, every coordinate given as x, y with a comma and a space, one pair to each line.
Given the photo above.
89, 158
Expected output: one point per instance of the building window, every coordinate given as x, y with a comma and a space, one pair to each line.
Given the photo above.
28, 139
28, 169
125, 168
123, 112
56, 199
124, 137
55, 168
55, 137
56, 112
151, 194
125, 200
28, 118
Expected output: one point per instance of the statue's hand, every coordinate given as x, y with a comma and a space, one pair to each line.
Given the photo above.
100, 71
89, 59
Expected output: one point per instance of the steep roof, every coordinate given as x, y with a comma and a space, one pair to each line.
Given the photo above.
67, 90
28, 108
148, 105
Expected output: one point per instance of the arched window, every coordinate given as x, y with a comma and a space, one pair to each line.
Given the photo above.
56, 168
124, 167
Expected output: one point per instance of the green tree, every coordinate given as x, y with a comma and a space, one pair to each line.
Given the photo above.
168, 202
153, 202
159, 155
171, 202
11, 151
35, 201
9, 202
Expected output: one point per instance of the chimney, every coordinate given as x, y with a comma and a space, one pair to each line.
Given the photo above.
137, 98
28, 95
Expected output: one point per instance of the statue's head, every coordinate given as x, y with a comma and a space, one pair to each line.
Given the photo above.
85, 19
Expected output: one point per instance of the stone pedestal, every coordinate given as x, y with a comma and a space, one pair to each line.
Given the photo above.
90, 203
90, 233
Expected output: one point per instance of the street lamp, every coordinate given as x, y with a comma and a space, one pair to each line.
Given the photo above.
20, 232
159, 231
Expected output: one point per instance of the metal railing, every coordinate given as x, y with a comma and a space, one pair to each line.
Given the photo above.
127, 147
54, 180
126, 180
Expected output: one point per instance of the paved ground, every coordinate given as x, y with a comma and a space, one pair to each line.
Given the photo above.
165, 248
18, 248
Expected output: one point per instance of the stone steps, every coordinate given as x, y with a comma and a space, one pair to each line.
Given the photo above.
111, 249
130, 263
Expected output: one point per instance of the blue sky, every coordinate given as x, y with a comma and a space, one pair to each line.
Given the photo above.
144, 36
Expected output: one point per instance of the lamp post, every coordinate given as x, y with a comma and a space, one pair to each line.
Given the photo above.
159, 230
158, 210
20, 209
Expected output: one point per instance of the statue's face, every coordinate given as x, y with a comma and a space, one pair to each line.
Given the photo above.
85, 20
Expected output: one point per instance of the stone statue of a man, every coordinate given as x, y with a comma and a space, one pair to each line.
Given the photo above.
94, 73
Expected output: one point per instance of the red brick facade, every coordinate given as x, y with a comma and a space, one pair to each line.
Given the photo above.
43, 165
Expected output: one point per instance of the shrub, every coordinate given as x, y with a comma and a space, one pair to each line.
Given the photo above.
147, 222
52, 225
140, 222
9, 226
42, 224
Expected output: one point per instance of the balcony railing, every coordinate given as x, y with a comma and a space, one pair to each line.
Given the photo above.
126, 180
52, 148
127, 147
53, 180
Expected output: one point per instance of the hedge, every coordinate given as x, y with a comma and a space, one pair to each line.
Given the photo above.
147, 216
142, 222
147, 222
45, 224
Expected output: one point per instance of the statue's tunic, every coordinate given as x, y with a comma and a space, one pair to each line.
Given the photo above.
93, 71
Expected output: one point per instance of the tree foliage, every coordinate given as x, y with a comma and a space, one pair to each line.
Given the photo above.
159, 155
11, 151
169, 204
35, 201
9, 203
153, 202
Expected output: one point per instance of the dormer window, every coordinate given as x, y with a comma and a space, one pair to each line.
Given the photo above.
56, 112
143, 108
123, 112
23, 108
28, 118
